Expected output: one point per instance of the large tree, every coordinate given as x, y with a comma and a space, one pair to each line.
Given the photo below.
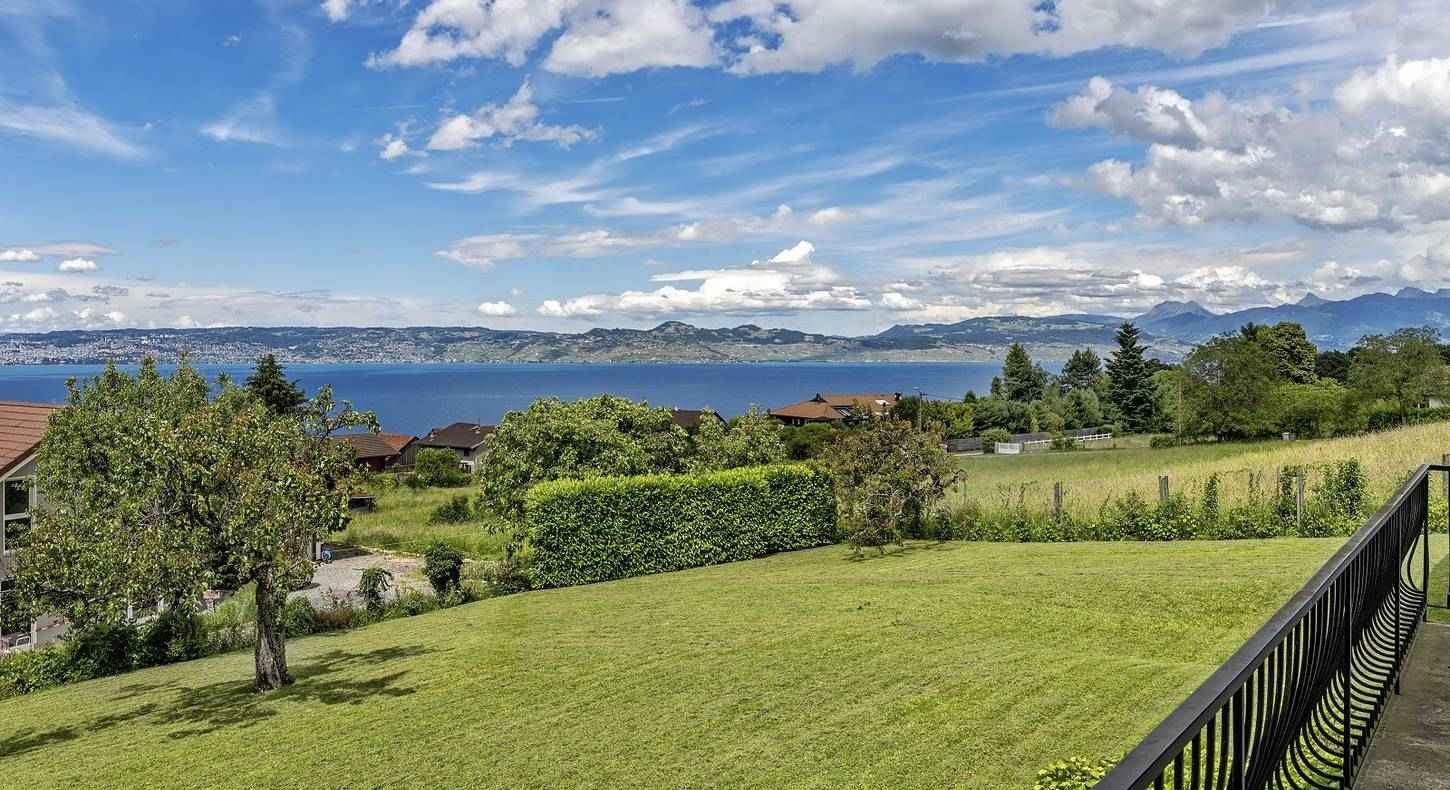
597, 436
1130, 382
1082, 369
1022, 381
270, 384
751, 439
1405, 368
154, 492
1227, 385
1287, 344
889, 478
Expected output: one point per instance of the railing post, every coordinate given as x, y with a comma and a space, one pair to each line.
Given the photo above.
1445, 459
1348, 769
1240, 741
1425, 556
1395, 580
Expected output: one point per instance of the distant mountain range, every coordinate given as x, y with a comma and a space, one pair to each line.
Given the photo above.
1169, 329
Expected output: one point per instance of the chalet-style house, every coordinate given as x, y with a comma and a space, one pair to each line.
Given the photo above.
690, 419
22, 425
836, 408
464, 438
378, 451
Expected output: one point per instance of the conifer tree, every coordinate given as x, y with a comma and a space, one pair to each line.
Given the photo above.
269, 383
1130, 384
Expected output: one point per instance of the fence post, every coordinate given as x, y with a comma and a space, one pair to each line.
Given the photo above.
1057, 503
1299, 500
1163, 489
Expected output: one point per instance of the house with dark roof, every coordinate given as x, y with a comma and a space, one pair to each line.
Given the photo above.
690, 419
464, 438
22, 426
836, 408
378, 451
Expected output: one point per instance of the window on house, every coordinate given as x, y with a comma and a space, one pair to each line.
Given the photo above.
16, 524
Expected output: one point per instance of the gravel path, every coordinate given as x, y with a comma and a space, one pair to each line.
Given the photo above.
339, 578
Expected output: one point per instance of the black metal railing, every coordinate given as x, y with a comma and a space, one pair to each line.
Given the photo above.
1296, 705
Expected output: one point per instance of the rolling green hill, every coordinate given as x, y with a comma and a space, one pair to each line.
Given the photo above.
959, 665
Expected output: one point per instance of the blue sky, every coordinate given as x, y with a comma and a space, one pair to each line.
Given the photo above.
820, 164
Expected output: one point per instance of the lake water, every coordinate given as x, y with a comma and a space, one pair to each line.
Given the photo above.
412, 398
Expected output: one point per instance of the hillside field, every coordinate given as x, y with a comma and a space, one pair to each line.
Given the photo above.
1091, 477
400, 523
953, 665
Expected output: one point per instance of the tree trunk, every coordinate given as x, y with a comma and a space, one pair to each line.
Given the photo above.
271, 654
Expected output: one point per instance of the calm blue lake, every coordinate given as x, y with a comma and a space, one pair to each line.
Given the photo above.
411, 398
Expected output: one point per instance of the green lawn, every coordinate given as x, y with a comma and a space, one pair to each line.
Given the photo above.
400, 523
958, 665
1090, 477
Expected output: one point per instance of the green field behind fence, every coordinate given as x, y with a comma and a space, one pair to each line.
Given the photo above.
1091, 478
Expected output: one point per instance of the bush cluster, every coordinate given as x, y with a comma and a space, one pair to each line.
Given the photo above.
1074, 773
437, 466
582, 531
1336, 505
179, 634
457, 510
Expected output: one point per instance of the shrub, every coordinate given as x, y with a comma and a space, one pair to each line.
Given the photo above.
373, 586
455, 511
176, 634
411, 603
415, 482
338, 615
890, 479
582, 531
100, 650
298, 618
438, 466
442, 565
508, 575
1074, 773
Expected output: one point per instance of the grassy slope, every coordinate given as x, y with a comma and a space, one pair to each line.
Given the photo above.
962, 665
400, 523
1091, 476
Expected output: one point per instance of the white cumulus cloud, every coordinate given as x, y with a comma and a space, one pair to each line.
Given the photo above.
78, 265
497, 309
516, 119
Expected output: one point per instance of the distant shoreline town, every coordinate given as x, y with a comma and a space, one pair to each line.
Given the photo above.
1169, 330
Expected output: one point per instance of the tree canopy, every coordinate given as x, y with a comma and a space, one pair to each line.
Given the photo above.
1082, 370
1022, 380
1405, 368
155, 492
270, 384
554, 439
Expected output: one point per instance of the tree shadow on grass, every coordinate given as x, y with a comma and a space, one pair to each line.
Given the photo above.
233, 703
868, 553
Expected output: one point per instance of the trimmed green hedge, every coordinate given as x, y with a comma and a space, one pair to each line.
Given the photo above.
583, 531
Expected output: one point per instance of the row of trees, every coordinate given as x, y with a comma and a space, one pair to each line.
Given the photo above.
1266, 380
1026, 398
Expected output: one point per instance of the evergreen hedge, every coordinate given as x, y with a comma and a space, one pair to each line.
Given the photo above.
583, 531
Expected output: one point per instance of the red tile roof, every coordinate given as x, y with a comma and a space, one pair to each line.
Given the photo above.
397, 441
808, 410
368, 445
21, 427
